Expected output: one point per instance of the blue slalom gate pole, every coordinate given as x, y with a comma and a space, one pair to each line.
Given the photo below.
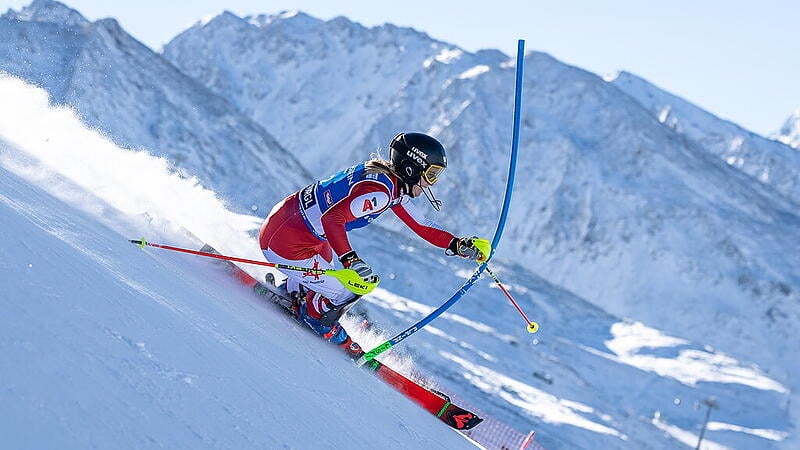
370, 355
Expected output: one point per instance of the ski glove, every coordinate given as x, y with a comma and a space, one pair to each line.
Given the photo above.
470, 247
350, 260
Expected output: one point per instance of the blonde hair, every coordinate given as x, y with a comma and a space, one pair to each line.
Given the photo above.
378, 165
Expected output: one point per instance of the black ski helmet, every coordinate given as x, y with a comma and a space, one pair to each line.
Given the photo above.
415, 155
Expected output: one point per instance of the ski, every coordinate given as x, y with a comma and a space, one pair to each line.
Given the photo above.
432, 401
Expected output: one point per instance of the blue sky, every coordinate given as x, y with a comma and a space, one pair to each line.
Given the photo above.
739, 60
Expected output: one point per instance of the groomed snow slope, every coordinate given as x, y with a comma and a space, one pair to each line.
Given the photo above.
105, 345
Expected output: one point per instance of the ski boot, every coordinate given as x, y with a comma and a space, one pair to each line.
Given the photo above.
320, 314
352, 348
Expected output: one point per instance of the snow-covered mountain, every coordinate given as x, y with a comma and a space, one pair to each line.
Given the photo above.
142, 101
789, 133
770, 162
643, 217
320, 86
109, 345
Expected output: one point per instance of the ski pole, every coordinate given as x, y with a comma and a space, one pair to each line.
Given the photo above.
348, 277
533, 327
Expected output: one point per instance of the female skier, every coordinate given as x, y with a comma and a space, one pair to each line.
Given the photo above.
309, 226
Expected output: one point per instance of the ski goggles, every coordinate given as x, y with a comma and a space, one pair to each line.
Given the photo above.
431, 174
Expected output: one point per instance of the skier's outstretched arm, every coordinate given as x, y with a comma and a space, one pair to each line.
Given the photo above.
434, 233
425, 228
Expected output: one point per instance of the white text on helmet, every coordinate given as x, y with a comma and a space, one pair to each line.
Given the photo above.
418, 156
